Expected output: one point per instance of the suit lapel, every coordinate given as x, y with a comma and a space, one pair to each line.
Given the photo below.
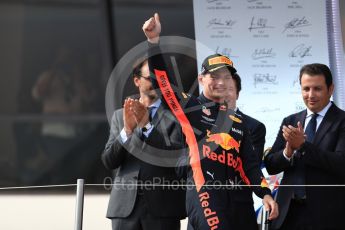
300, 117
158, 115
326, 123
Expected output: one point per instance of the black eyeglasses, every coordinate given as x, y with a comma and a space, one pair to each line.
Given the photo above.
145, 77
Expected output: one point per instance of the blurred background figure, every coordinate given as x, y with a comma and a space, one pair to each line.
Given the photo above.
61, 90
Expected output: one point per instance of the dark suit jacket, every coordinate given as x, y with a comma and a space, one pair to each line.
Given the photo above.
324, 161
140, 160
244, 214
257, 132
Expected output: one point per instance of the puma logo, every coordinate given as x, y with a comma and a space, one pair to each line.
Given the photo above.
210, 174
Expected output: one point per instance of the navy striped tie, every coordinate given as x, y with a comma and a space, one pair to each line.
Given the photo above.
300, 175
311, 128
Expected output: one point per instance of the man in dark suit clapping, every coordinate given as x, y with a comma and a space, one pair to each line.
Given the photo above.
144, 145
310, 150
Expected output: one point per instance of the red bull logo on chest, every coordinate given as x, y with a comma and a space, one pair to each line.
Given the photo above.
224, 140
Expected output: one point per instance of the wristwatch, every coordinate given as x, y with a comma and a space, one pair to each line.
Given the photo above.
148, 126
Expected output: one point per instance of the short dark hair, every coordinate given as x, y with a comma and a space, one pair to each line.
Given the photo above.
237, 79
137, 68
317, 69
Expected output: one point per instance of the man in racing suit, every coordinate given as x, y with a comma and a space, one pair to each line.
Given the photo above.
219, 144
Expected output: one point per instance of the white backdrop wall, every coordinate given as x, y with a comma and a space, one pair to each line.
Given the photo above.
268, 41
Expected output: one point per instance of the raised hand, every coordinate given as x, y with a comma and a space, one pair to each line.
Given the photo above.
129, 120
140, 113
152, 29
294, 135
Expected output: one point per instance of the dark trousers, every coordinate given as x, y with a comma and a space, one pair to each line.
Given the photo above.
141, 219
296, 218
243, 216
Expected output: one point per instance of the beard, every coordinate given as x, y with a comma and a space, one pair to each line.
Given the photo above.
151, 94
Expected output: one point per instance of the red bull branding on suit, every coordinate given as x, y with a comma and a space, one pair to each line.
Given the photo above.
204, 197
211, 216
207, 203
226, 141
226, 158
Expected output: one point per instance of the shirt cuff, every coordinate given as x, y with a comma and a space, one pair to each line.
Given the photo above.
286, 157
123, 136
147, 132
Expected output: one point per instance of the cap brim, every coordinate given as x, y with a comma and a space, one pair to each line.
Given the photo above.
232, 69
